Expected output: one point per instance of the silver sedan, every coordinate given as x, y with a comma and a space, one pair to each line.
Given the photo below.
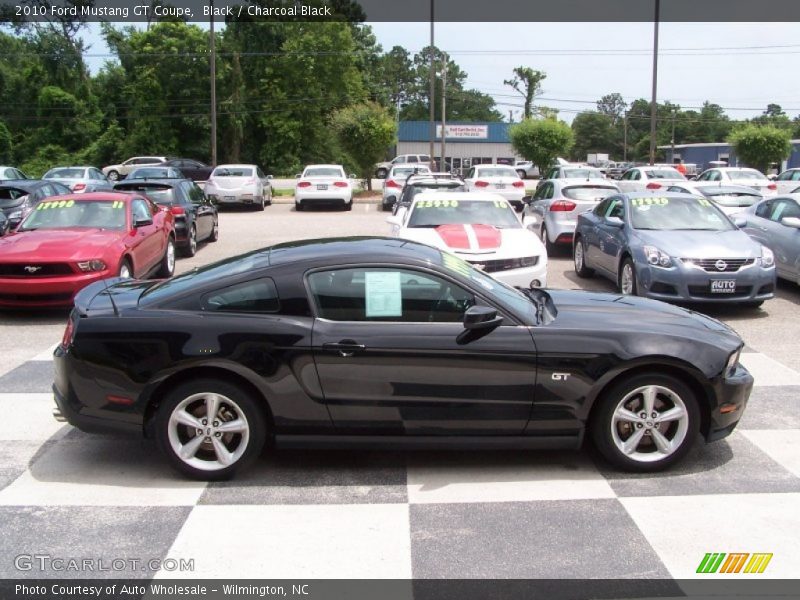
80, 180
396, 181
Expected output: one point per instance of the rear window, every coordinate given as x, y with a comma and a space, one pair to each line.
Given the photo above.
406, 171
587, 192
497, 173
663, 174
10, 196
65, 174
232, 172
747, 174
323, 172
161, 194
582, 174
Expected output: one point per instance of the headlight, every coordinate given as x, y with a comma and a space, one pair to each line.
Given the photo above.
528, 261
767, 257
733, 361
92, 265
656, 257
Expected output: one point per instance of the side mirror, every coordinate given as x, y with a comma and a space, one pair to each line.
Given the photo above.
395, 220
772, 176
791, 222
741, 222
481, 318
269, 177
142, 222
615, 222
352, 176
298, 175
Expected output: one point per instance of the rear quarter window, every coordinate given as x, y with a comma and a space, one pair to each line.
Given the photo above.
257, 296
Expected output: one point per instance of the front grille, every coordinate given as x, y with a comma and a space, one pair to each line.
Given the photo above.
35, 269
495, 266
702, 291
731, 265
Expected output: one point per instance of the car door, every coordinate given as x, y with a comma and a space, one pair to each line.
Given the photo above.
758, 222
392, 360
203, 210
624, 182
539, 201
610, 237
782, 239
147, 245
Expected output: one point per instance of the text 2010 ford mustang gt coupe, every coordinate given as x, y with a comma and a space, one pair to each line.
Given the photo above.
387, 342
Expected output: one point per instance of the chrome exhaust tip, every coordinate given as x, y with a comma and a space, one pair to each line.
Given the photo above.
58, 415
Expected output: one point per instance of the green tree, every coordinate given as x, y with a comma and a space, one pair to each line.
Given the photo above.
594, 132
613, 105
528, 83
364, 131
6, 145
541, 141
760, 145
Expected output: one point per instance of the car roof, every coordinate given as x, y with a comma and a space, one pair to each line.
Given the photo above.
327, 166
333, 251
235, 166
70, 167
479, 196
170, 181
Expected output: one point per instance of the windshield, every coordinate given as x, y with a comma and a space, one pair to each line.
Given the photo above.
748, 174
162, 194
61, 214
582, 174
323, 172
663, 174
66, 173
151, 173
232, 172
674, 214
11, 196
496, 173
588, 192
454, 211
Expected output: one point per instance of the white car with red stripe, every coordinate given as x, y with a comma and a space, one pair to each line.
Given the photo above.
481, 228
500, 179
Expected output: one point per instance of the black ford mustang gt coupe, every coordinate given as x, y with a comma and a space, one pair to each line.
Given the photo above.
387, 343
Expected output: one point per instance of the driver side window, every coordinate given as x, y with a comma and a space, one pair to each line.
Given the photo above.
381, 294
616, 209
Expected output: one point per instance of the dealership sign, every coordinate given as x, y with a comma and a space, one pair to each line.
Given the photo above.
475, 132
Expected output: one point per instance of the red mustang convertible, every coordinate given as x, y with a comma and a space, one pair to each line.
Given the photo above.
70, 241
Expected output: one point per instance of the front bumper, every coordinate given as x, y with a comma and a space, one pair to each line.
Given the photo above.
732, 394
46, 292
690, 284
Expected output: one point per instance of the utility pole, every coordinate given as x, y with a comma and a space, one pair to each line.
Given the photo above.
213, 90
443, 166
672, 140
625, 138
431, 84
653, 105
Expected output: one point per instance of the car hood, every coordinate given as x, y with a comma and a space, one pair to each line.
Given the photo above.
57, 244
478, 241
702, 244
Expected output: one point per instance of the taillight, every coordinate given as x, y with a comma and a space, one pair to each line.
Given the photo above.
518, 184
69, 333
304, 184
78, 187
772, 186
562, 206
653, 186
340, 183
392, 184
480, 183
177, 210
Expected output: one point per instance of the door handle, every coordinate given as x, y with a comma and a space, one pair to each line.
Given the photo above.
345, 348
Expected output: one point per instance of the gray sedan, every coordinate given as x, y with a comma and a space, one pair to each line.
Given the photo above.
776, 223
80, 180
673, 247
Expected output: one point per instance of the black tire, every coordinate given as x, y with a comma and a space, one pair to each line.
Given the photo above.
755, 304
548, 245
381, 174
581, 270
125, 264
609, 434
214, 231
190, 249
298, 207
349, 205
235, 404
627, 263
113, 176
167, 267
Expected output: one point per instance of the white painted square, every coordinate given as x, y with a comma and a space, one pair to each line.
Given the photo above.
340, 541
781, 445
28, 417
767, 371
97, 471
683, 529
564, 477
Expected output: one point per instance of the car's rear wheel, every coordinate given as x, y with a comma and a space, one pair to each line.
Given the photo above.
209, 429
214, 231
191, 246
646, 423
349, 205
381, 174
298, 206
579, 258
113, 176
627, 279
125, 269
167, 268
522, 174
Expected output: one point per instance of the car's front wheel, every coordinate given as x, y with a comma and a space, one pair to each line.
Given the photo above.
113, 176
646, 423
209, 429
579, 257
167, 268
627, 279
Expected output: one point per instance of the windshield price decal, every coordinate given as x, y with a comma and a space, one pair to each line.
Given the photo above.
649, 201
55, 204
703, 202
437, 204
500, 204
456, 264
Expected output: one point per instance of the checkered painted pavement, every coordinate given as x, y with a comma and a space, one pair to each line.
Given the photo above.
347, 514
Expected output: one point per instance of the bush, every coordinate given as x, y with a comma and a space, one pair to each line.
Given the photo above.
759, 145
541, 141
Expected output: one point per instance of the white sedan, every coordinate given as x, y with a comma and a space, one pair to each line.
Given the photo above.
499, 179
481, 228
654, 177
740, 176
323, 184
396, 181
239, 184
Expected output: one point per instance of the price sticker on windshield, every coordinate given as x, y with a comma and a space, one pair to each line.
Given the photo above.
703, 202
437, 203
55, 204
647, 201
500, 203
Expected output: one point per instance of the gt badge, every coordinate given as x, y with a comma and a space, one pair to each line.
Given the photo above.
560, 376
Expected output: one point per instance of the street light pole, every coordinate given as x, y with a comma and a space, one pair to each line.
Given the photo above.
653, 105
625, 138
213, 90
431, 91
444, 108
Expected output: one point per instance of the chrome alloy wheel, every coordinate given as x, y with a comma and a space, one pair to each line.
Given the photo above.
208, 431
626, 279
578, 256
171, 257
650, 423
